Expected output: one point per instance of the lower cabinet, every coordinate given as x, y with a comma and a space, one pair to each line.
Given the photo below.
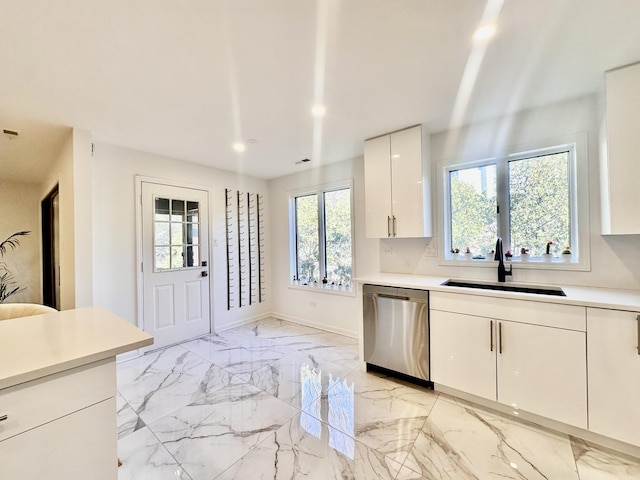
535, 368
614, 373
61, 426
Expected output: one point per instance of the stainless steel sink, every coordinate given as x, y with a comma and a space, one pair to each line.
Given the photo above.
505, 287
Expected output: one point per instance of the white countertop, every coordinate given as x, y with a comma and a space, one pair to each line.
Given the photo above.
584, 296
32, 347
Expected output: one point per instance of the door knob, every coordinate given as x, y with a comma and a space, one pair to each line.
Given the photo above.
205, 274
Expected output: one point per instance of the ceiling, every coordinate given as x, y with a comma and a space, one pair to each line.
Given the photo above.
187, 79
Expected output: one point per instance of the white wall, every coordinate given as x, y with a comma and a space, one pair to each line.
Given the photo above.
336, 313
20, 206
615, 261
114, 229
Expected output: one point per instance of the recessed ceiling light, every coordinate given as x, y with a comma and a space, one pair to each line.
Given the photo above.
484, 32
318, 110
239, 147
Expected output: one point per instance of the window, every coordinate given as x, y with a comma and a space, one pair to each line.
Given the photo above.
322, 236
527, 198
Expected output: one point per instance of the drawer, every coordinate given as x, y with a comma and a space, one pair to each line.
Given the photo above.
39, 401
557, 315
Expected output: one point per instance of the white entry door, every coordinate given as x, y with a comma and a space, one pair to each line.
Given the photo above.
175, 265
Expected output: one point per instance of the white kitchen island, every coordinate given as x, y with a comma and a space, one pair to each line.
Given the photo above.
57, 393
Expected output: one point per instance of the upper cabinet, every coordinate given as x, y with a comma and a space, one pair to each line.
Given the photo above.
397, 185
620, 167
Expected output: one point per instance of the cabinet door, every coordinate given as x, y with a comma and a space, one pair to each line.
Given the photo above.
406, 183
463, 353
377, 187
614, 373
623, 145
79, 446
543, 370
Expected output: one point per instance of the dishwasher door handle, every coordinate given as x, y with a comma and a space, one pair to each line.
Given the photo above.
393, 297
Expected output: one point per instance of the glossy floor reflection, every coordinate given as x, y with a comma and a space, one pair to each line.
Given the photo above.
275, 400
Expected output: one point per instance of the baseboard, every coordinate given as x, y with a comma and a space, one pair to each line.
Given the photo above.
242, 321
319, 326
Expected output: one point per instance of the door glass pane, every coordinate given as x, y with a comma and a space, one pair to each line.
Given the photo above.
177, 258
162, 233
192, 212
193, 257
177, 210
192, 233
539, 203
307, 244
162, 258
337, 212
162, 210
177, 234
474, 220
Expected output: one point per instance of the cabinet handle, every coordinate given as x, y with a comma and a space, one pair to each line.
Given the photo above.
3, 417
638, 332
491, 334
394, 226
388, 226
499, 337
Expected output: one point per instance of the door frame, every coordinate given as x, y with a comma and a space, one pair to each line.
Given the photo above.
47, 224
139, 180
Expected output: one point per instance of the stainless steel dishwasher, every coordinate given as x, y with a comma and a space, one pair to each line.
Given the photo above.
396, 330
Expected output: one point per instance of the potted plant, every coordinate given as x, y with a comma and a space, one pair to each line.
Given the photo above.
467, 254
455, 253
8, 284
524, 254
508, 255
547, 257
566, 254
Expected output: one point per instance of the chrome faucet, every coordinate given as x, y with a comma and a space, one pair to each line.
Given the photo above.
502, 272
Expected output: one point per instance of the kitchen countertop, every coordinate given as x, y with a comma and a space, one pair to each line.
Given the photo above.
32, 347
616, 299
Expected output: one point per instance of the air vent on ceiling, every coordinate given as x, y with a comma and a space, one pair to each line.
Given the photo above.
304, 160
10, 134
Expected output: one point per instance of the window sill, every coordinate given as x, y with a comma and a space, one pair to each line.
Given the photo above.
322, 289
533, 264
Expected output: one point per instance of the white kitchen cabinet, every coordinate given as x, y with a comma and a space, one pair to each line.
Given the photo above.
614, 373
620, 168
542, 370
396, 186
463, 353
66, 421
507, 358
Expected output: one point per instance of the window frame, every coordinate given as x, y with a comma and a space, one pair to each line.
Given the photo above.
576, 145
319, 190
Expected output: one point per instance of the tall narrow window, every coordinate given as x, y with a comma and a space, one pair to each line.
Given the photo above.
322, 228
307, 239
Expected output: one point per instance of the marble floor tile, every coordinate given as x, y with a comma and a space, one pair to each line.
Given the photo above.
384, 415
298, 378
128, 420
246, 360
459, 441
315, 452
166, 386
156, 361
347, 355
207, 345
207, 439
145, 458
597, 463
